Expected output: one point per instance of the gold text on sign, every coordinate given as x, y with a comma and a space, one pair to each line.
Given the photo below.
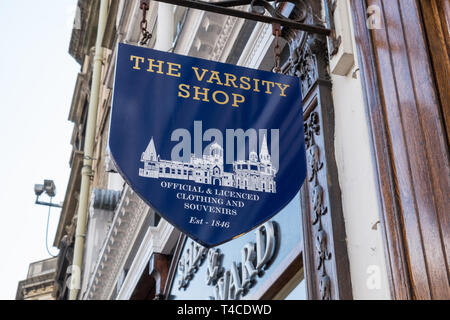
207, 93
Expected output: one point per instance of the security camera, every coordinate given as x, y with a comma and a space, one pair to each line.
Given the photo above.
50, 188
38, 189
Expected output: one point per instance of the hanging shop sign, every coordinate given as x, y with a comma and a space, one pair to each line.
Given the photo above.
215, 148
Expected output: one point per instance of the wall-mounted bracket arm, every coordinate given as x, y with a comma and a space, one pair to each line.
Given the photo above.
257, 12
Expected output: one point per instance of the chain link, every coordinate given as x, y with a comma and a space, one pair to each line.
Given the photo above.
146, 35
276, 31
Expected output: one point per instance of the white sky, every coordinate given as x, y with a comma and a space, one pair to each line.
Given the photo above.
37, 78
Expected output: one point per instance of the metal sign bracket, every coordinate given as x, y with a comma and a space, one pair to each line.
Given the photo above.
256, 12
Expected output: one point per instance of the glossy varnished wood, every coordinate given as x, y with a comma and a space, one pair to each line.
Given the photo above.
436, 17
410, 145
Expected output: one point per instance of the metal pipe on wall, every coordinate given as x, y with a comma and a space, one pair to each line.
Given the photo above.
86, 171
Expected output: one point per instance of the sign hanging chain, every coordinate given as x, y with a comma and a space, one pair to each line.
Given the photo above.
146, 35
276, 31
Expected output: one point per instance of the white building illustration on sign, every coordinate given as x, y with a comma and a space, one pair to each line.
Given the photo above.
256, 174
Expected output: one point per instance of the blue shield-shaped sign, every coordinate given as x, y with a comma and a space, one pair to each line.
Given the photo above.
216, 149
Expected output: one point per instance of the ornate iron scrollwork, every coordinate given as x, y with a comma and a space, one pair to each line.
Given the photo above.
261, 6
